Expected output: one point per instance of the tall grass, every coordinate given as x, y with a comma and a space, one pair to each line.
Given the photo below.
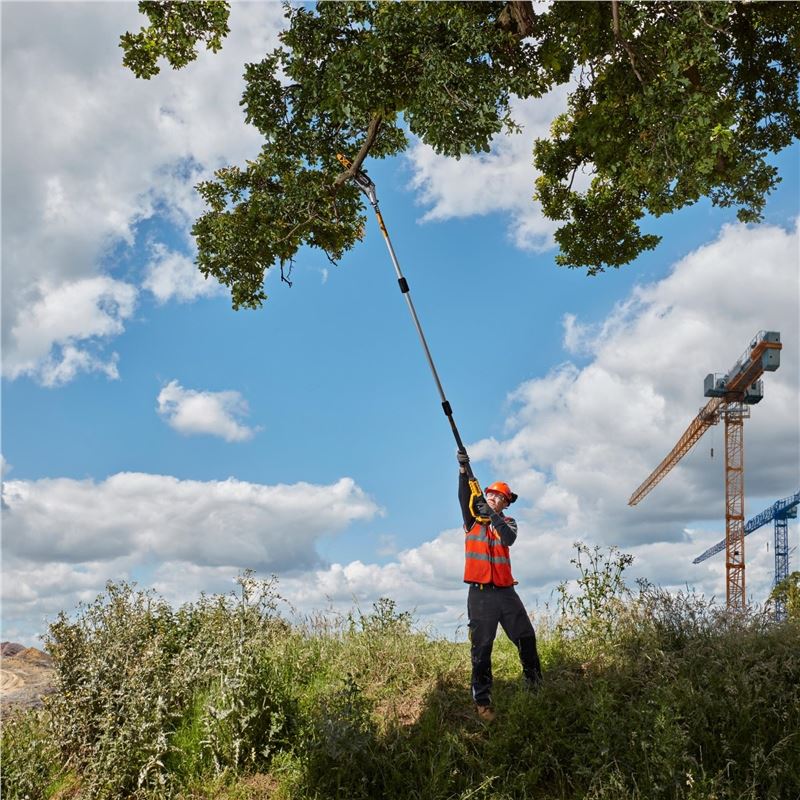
646, 695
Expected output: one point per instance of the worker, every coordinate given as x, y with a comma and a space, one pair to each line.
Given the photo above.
492, 598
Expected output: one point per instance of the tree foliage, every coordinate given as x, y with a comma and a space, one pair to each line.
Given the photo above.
672, 102
174, 30
788, 592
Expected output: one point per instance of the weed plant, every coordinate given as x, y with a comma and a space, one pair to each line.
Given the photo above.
647, 695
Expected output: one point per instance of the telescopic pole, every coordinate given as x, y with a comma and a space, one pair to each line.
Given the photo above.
366, 185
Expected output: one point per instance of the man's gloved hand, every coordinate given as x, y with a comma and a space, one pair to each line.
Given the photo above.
463, 458
481, 507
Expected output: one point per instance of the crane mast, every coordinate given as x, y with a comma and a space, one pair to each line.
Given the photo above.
731, 396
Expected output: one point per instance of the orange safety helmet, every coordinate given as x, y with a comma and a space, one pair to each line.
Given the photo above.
502, 488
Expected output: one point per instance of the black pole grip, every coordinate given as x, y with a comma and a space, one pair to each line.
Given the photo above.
449, 412
403, 285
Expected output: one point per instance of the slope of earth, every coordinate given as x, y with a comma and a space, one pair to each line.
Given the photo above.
26, 675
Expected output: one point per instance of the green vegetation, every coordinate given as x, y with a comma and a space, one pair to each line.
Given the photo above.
646, 695
788, 590
669, 103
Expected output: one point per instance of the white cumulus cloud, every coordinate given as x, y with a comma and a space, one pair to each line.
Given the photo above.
193, 412
171, 275
64, 538
60, 331
91, 152
501, 180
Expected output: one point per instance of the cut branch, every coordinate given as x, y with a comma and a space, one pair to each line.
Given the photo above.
372, 134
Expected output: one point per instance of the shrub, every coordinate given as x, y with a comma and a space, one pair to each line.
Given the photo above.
28, 755
145, 694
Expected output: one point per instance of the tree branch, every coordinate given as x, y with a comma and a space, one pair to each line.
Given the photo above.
621, 39
299, 225
574, 173
286, 275
372, 134
709, 24
518, 17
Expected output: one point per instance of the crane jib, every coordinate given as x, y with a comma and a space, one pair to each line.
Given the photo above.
786, 508
762, 355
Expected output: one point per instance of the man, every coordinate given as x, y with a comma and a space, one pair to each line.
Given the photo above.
492, 598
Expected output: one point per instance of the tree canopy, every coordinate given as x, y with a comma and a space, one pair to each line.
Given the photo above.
671, 102
788, 592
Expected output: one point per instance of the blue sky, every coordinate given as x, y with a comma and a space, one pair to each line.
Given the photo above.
150, 432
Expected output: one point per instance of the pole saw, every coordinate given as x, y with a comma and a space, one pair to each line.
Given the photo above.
367, 187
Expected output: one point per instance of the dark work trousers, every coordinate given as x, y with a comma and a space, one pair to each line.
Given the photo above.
486, 607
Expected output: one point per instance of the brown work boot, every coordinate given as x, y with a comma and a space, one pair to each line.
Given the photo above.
485, 713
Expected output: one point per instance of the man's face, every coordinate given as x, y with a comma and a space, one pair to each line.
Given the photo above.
497, 501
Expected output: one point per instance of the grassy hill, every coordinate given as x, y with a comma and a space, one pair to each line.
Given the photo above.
646, 695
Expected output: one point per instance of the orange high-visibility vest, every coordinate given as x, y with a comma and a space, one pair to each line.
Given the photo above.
486, 558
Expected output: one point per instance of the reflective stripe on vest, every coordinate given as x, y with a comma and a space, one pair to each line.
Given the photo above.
486, 558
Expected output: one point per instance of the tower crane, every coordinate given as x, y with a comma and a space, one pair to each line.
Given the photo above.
781, 511
731, 396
